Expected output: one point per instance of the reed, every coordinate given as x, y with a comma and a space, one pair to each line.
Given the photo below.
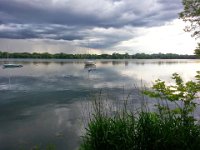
163, 129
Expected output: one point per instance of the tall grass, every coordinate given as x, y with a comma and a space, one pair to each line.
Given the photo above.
141, 131
163, 129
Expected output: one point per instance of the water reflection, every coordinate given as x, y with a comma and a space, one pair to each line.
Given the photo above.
45, 100
103, 61
90, 67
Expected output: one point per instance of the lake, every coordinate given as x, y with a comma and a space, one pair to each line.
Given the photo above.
44, 102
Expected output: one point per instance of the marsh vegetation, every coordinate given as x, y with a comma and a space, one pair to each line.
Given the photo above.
166, 128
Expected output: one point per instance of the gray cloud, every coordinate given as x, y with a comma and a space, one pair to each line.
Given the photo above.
108, 13
45, 31
77, 20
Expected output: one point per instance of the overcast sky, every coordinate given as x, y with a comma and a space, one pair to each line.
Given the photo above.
93, 26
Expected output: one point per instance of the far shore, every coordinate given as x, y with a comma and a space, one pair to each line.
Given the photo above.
26, 55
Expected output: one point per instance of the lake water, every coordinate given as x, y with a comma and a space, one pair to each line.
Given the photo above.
44, 101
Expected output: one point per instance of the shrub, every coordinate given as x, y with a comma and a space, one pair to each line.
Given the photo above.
168, 128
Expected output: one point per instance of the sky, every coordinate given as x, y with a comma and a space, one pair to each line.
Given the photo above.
94, 26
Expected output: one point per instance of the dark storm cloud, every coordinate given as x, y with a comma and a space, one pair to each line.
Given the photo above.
75, 19
45, 31
39, 12
109, 13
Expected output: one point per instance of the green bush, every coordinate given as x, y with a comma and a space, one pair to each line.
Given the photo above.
167, 128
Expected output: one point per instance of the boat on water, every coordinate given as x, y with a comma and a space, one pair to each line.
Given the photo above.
90, 65
90, 62
12, 65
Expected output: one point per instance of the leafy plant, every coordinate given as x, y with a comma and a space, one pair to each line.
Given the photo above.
180, 93
191, 14
168, 128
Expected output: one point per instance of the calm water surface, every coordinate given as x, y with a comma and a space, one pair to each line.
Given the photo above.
43, 101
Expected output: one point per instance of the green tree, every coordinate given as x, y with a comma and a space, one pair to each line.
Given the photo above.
191, 14
197, 50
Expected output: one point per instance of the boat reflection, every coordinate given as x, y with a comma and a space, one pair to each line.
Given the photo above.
90, 67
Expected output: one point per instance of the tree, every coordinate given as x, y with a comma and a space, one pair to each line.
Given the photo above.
191, 14
197, 50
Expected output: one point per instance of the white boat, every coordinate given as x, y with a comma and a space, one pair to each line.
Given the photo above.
90, 62
12, 66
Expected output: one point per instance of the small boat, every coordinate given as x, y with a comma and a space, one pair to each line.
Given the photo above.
88, 63
12, 66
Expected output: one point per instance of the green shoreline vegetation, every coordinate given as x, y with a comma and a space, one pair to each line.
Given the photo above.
166, 128
95, 56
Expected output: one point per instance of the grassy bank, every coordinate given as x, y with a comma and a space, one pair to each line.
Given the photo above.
166, 128
147, 131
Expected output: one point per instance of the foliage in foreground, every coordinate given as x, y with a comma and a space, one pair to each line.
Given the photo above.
167, 128
148, 131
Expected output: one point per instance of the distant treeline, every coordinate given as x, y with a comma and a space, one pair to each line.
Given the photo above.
95, 56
